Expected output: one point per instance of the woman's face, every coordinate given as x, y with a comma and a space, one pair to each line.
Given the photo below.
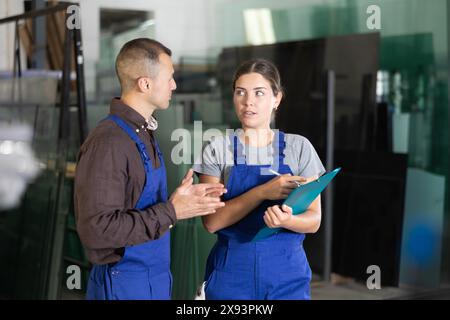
254, 101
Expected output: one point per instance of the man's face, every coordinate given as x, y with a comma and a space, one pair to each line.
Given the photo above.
163, 83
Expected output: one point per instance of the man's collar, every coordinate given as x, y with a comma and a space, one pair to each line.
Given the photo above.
130, 115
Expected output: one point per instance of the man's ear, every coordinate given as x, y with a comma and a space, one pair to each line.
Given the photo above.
144, 84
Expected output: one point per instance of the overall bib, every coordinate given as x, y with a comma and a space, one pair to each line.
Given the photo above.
144, 271
267, 269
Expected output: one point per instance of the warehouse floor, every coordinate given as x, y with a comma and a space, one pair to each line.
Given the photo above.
347, 289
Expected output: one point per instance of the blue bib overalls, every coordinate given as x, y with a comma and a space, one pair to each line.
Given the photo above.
272, 268
144, 270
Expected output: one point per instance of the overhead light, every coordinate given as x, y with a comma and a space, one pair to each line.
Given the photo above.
147, 24
259, 26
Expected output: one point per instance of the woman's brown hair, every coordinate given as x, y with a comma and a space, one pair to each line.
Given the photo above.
265, 68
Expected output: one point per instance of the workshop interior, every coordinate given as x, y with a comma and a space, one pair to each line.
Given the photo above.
366, 81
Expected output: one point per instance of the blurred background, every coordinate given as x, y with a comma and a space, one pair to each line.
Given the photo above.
373, 98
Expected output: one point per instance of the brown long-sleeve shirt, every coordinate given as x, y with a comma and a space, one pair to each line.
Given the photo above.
109, 180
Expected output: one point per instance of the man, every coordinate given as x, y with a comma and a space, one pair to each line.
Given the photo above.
122, 212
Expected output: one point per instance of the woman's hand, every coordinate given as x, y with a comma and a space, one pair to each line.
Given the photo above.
276, 217
280, 187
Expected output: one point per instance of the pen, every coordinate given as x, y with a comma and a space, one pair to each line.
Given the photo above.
278, 174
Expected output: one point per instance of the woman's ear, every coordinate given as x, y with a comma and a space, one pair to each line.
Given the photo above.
278, 98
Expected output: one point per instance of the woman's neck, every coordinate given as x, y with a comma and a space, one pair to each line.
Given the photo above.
257, 137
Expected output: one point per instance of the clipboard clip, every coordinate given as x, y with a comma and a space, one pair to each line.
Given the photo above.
318, 179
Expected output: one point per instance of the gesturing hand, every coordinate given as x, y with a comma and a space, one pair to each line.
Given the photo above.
201, 189
191, 200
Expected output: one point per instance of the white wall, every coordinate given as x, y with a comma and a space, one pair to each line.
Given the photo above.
180, 25
183, 26
187, 27
227, 18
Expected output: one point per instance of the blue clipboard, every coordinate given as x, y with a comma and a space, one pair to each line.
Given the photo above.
300, 199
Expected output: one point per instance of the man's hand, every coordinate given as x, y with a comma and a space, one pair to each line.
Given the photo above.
192, 200
202, 189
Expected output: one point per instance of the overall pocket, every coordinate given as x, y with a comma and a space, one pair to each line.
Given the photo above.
161, 286
130, 285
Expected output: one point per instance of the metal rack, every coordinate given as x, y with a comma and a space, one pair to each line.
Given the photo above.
57, 226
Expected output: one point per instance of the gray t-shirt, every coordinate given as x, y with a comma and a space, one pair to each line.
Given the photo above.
217, 157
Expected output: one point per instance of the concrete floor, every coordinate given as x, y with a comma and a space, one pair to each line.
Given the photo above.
349, 291
342, 288
346, 289
354, 291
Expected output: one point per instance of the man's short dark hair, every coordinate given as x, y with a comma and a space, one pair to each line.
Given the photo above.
138, 58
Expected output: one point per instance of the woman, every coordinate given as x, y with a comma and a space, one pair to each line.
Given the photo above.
247, 162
